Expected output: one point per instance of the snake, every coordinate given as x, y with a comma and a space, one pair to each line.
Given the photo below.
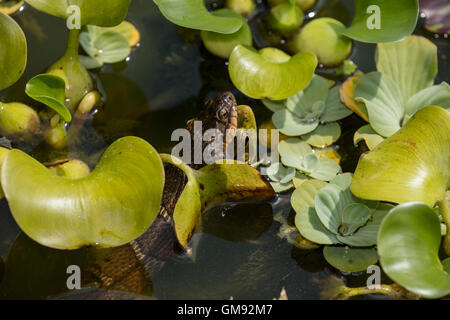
126, 268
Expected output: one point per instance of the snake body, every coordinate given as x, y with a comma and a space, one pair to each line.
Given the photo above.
126, 268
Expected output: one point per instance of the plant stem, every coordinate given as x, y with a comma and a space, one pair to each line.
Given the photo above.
445, 212
72, 43
393, 290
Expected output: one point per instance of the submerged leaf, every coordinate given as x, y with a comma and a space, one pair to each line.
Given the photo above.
115, 204
408, 243
412, 165
13, 51
49, 90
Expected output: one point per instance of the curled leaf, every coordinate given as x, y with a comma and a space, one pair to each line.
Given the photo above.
115, 204
270, 73
347, 96
49, 90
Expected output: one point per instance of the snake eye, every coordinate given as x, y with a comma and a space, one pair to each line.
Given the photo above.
223, 114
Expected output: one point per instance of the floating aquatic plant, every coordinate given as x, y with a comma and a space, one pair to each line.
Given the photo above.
18, 121
221, 44
299, 164
408, 243
286, 17
13, 55
194, 15
270, 73
402, 86
242, 7
115, 204
311, 113
330, 214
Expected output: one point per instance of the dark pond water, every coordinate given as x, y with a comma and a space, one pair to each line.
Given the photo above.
237, 251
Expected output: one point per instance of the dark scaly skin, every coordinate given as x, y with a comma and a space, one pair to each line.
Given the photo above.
126, 268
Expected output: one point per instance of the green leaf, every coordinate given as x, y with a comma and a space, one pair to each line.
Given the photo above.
355, 215
343, 180
330, 203
13, 52
412, 165
291, 125
408, 243
369, 135
334, 109
281, 187
324, 135
382, 98
304, 104
222, 45
94, 12
326, 170
279, 173
49, 90
438, 95
90, 63
397, 20
350, 259
294, 147
193, 14
410, 63
306, 220
115, 204
270, 73
105, 47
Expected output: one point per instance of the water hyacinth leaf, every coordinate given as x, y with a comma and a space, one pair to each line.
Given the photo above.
408, 243
371, 138
126, 29
270, 73
306, 219
382, 20
382, 98
329, 203
188, 209
51, 91
326, 170
222, 45
194, 15
438, 95
437, 14
94, 12
412, 165
89, 62
115, 204
13, 51
324, 135
350, 259
231, 181
291, 125
105, 47
410, 63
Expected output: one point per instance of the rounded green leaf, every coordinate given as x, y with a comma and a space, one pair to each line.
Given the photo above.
105, 47
286, 17
326, 170
13, 51
94, 12
279, 173
294, 147
412, 165
291, 125
334, 108
350, 259
397, 19
51, 91
270, 73
383, 101
355, 215
115, 204
411, 63
193, 14
222, 45
343, 180
408, 243
306, 220
324, 135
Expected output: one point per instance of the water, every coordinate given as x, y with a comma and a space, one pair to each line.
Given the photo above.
237, 251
